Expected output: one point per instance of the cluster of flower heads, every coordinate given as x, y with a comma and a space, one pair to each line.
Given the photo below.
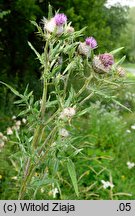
10, 130
66, 114
101, 63
16, 126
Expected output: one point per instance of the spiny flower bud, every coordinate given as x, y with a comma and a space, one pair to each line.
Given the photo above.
60, 19
85, 47
107, 59
50, 25
63, 132
103, 63
121, 71
55, 23
90, 41
68, 112
70, 29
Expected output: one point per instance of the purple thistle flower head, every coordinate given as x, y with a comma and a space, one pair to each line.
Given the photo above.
107, 59
60, 19
90, 41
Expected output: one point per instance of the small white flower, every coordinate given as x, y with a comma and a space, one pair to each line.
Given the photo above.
24, 120
18, 123
133, 127
14, 177
54, 192
13, 117
128, 131
64, 133
16, 127
107, 184
42, 190
130, 165
9, 131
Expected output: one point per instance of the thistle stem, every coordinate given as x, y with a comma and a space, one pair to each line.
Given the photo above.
30, 167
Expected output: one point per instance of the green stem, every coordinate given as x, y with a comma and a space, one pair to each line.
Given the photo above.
28, 173
85, 85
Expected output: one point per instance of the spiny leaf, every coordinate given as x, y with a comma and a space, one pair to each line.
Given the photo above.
72, 173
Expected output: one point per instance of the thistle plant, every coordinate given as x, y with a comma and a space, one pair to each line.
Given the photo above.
49, 119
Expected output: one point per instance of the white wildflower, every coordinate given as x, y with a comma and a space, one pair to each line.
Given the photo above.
16, 127
14, 177
128, 131
133, 127
54, 192
13, 117
9, 131
130, 165
24, 120
107, 184
42, 190
18, 123
64, 133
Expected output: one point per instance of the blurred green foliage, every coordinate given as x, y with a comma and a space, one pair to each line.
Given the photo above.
18, 65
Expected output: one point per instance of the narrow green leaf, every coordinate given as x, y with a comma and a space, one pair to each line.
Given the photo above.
34, 23
23, 113
70, 98
50, 13
35, 51
117, 102
72, 173
84, 111
116, 50
120, 61
12, 89
69, 67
